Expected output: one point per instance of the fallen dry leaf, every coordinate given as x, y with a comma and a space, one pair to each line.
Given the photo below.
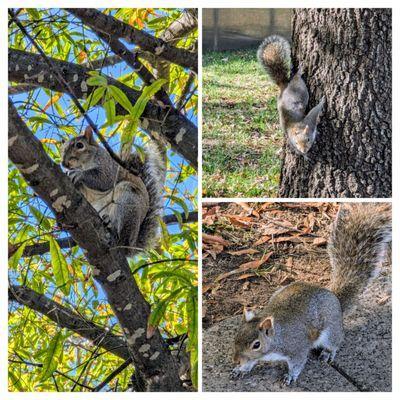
319, 241
241, 252
263, 240
245, 267
215, 239
245, 276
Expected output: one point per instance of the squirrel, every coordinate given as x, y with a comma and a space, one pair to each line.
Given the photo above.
129, 204
299, 127
303, 316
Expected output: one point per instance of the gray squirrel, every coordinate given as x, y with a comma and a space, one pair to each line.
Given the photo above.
299, 127
129, 204
303, 316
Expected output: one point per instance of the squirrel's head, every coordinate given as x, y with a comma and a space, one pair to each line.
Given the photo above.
253, 339
302, 138
79, 151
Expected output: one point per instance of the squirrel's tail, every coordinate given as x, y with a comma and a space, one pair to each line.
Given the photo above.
357, 248
153, 174
274, 56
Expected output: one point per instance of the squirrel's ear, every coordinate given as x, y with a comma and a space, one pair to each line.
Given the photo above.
266, 324
306, 130
89, 135
248, 314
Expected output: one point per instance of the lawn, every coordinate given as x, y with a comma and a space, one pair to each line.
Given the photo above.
241, 133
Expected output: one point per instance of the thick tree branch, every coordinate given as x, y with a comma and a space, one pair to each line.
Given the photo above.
66, 318
30, 68
181, 27
111, 268
96, 64
108, 24
68, 242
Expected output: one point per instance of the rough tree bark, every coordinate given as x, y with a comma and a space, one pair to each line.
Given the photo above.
346, 56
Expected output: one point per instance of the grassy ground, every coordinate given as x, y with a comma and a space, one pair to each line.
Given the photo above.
241, 134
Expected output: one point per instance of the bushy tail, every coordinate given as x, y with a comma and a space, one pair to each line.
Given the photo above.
357, 247
153, 174
274, 56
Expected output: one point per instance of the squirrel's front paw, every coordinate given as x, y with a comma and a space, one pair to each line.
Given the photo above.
74, 175
237, 373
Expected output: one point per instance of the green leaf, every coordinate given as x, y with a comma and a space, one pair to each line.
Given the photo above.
181, 202
97, 80
13, 261
159, 310
94, 97
60, 268
16, 381
109, 108
120, 97
144, 98
53, 356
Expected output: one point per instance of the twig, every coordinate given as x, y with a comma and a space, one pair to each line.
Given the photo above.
113, 374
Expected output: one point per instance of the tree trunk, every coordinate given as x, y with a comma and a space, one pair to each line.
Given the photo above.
346, 56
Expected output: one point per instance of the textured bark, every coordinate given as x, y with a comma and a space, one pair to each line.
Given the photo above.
66, 318
112, 26
346, 56
111, 269
30, 68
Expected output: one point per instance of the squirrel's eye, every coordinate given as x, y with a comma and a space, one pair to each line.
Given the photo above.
256, 345
79, 145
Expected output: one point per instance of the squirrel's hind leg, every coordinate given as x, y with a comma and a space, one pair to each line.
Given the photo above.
295, 366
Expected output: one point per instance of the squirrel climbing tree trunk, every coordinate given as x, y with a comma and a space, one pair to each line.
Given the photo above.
345, 55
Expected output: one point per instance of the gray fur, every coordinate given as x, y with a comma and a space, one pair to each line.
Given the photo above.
153, 175
299, 127
129, 204
357, 248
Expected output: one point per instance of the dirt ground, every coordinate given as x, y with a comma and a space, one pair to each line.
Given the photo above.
289, 237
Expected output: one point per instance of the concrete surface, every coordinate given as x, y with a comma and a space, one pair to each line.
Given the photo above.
365, 356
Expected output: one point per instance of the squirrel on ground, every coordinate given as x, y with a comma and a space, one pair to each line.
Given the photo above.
299, 127
303, 316
129, 204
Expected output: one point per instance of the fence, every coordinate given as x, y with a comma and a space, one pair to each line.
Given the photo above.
239, 28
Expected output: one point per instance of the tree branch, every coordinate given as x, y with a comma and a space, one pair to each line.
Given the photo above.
95, 64
66, 318
108, 24
65, 243
30, 68
111, 269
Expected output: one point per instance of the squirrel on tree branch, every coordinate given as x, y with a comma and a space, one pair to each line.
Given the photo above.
300, 128
129, 204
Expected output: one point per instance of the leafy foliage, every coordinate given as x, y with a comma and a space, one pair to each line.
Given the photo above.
42, 356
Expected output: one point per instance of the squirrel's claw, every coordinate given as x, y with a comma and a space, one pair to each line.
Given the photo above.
237, 373
288, 379
326, 356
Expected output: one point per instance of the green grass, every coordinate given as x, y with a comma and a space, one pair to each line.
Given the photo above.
241, 134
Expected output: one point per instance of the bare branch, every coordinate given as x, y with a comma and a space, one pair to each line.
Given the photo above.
66, 318
112, 26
